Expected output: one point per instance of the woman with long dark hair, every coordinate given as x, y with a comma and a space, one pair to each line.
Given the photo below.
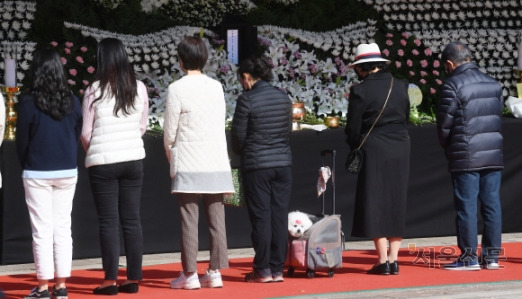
115, 117
47, 133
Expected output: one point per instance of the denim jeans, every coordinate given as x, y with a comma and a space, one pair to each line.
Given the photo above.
116, 190
468, 188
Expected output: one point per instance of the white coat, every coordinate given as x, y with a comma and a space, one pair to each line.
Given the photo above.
194, 136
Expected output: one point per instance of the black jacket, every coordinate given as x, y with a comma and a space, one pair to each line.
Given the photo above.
366, 101
261, 127
469, 120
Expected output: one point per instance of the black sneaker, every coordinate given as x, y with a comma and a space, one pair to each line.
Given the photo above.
60, 293
35, 293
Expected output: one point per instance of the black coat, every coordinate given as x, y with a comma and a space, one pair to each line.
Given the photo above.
261, 127
469, 120
382, 185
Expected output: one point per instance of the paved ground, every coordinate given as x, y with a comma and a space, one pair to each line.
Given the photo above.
510, 289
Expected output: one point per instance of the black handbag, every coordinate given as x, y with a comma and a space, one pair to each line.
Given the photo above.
355, 157
354, 161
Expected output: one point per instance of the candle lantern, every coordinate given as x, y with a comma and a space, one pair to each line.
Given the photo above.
10, 89
298, 114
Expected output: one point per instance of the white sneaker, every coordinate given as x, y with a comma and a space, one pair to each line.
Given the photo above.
184, 282
211, 280
490, 266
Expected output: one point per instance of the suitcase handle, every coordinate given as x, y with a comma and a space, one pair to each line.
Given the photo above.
328, 151
323, 154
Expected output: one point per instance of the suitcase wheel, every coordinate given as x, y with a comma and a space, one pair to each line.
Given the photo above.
290, 271
310, 273
330, 272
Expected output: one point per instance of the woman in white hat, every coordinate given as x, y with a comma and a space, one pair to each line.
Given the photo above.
380, 204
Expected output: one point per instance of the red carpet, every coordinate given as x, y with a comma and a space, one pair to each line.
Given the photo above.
418, 267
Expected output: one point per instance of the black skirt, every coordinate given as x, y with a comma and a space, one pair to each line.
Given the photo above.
382, 186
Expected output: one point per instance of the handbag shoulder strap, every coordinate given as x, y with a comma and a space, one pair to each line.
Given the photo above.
378, 116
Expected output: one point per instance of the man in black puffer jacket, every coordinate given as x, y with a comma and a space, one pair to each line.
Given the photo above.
469, 123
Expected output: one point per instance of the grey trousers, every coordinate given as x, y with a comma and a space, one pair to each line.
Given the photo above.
215, 215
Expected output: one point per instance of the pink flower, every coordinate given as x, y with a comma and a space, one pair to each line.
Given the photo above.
69, 44
64, 61
422, 81
83, 49
389, 35
403, 42
423, 74
436, 73
54, 44
415, 52
417, 42
67, 51
386, 52
409, 62
389, 42
71, 82
81, 91
398, 64
424, 63
85, 82
90, 70
436, 63
427, 52
412, 73
73, 72
433, 91
79, 59
400, 52
439, 82
405, 34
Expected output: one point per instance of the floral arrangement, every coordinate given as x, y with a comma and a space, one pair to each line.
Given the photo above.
150, 5
15, 19
78, 61
310, 66
204, 13
491, 29
412, 60
110, 4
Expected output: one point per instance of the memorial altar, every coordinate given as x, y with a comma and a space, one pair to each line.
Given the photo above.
430, 211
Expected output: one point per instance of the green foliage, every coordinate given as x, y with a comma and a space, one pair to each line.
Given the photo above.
311, 15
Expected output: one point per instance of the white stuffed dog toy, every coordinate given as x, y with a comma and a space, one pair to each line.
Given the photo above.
298, 223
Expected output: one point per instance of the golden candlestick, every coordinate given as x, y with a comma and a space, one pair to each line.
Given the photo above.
10, 112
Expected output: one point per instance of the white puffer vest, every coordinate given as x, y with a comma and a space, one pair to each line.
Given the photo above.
115, 139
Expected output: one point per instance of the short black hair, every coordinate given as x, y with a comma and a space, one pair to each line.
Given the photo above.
258, 67
193, 53
456, 52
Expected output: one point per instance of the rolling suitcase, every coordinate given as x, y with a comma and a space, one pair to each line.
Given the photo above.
321, 246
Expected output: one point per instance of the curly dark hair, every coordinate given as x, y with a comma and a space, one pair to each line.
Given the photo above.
49, 84
258, 67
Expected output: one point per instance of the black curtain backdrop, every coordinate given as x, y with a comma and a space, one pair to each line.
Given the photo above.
430, 205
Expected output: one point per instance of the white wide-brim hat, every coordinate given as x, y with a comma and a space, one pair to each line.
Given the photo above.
367, 53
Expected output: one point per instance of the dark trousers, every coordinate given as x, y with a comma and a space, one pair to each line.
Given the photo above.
116, 190
268, 195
